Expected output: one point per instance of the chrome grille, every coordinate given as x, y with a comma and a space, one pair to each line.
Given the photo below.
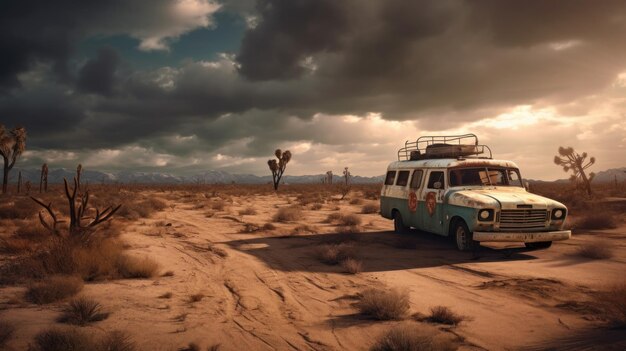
523, 219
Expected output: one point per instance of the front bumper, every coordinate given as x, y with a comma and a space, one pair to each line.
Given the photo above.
529, 237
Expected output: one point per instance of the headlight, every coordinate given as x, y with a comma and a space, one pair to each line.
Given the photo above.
485, 215
558, 213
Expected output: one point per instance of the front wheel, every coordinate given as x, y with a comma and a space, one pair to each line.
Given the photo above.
539, 245
398, 225
464, 238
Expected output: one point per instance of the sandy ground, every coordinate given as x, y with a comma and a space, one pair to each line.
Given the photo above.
270, 292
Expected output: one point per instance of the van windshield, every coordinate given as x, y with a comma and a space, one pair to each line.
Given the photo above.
482, 176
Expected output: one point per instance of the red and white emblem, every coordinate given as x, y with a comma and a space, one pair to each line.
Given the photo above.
431, 203
412, 201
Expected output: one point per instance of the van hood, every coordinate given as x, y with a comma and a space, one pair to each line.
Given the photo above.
498, 197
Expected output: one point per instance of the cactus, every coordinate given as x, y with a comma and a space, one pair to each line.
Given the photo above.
572, 161
79, 170
12, 145
43, 181
278, 166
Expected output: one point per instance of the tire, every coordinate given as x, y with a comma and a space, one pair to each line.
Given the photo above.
539, 245
398, 224
463, 237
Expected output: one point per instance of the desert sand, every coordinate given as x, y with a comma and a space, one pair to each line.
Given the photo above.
267, 290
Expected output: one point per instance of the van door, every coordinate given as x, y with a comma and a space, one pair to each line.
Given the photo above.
432, 197
416, 217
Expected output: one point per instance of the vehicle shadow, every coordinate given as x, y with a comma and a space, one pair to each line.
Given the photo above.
378, 251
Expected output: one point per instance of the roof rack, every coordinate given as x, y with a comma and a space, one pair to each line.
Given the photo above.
451, 146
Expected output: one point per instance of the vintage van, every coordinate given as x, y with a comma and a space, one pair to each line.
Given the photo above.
451, 186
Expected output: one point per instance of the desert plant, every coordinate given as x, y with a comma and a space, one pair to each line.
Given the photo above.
82, 311
196, 297
6, 332
384, 304
570, 160
43, 180
12, 145
278, 167
596, 250
167, 295
329, 177
352, 266
596, 220
53, 289
56, 339
116, 340
345, 186
369, 208
134, 267
333, 254
248, 211
350, 220
444, 315
287, 214
413, 337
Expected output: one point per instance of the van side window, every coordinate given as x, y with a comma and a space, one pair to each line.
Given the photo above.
391, 175
434, 178
416, 181
403, 178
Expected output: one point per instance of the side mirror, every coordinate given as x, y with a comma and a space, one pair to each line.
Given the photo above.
437, 185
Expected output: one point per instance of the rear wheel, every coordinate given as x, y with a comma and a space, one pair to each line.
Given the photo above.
464, 238
398, 225
539, 245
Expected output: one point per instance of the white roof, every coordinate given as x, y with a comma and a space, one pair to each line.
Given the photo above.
451, 162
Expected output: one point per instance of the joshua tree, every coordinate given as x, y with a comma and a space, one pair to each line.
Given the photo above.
12, 144
329, 177
79, 170
571, 160
345, 186
278, 167
43, 181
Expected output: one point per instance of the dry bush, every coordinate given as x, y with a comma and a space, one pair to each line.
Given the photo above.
248, 211
196, 297
167, 295
134, 267
317, 206
54, 289
304, 229
18, 208
333, 217
16, 245
268, 226
350, 220
168, 274
82, 311
6, 333
413, 337
116, 340
218, 205
356, 201
613, 303
444, 315
384, 304
56, 339
250, 228
333, 254
288, 214
31, 230
596, 220
351, 229
597, 250
352, 266
369, 208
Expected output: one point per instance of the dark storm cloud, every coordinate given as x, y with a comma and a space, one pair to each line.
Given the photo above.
436, 61
98, 74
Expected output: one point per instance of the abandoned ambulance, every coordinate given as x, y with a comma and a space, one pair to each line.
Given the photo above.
451, 186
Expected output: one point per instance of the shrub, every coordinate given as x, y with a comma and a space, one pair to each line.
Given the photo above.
116, 340
53, 289
369, 208
82, 311
444, 315
248, 211
56, 339
333, 217
356, 201
218, 205
413, 337
613, 303
167, 295
134, 267
316, 206
304, 229
249, 228
597, 250
288, 214
269, 226
384, 304
352, 266
15, 245
333, 254
196, 297
350, 220
596, 220
6, 332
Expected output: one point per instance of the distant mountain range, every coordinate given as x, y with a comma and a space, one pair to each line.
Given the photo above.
209, 177
221, 177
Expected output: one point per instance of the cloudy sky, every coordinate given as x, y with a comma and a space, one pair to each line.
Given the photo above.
183, 86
